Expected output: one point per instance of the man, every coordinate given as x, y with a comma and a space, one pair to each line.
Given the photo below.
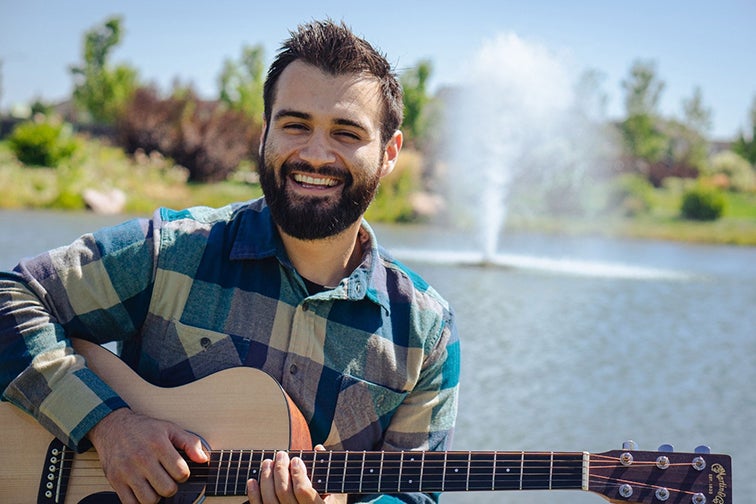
294, 284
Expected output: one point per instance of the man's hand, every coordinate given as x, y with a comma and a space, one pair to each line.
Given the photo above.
139, 455
285, 480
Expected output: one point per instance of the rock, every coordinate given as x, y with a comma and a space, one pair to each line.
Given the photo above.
105, 202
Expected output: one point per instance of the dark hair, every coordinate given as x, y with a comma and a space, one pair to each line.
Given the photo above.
334, 49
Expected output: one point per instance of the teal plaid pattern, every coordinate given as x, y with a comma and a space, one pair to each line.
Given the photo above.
373, 363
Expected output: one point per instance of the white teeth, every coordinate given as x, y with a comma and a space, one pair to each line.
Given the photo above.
318, 181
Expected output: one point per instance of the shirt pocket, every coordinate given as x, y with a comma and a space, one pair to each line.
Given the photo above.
362, 414
194, 353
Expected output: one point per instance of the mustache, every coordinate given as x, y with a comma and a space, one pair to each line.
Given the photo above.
305, 167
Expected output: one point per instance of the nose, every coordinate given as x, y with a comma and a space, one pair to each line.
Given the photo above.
317, 150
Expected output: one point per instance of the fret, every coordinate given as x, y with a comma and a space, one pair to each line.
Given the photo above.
443, 474
522, 467
380, 472
362, 472
218, 464
422, 470
551, 469
493, 473
343, 474
401, 466
469, 459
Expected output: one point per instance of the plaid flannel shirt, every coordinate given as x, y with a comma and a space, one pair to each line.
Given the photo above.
373, 363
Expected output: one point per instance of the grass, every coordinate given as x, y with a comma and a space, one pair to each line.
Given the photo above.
150, 182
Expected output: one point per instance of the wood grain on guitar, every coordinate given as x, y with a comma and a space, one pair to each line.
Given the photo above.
245, 417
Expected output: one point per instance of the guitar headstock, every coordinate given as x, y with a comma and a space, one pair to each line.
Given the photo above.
654, 477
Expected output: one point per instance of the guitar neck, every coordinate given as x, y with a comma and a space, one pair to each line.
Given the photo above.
394, 472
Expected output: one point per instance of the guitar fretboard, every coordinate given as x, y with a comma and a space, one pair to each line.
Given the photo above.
398, 472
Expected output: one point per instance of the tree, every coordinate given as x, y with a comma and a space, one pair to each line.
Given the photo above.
102, 91
744, 146
415, 86
241, 82
695, 114
643, 137
643, 89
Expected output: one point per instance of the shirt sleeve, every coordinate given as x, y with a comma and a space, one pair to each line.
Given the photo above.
97, 289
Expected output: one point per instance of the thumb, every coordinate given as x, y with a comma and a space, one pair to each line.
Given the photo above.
191, 444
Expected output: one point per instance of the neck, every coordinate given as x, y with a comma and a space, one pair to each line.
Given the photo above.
325, 261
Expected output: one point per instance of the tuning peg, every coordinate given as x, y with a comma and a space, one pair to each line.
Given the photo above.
629, 445
703, 449
668, 448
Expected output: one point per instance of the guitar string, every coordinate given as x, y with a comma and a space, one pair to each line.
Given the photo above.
478, 470
596, 479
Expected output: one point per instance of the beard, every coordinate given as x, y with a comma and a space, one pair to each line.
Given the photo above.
313, 217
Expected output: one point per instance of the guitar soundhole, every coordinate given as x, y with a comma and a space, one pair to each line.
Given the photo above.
101, 498
188, 493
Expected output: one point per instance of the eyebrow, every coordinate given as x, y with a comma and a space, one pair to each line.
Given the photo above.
307, 117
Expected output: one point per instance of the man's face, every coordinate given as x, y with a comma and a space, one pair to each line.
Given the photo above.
322, 155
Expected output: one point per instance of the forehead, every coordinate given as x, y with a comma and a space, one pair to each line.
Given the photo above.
307, 89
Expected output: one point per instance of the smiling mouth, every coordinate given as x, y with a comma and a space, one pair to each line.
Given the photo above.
316, 182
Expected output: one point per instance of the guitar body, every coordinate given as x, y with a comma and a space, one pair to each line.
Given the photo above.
235, 408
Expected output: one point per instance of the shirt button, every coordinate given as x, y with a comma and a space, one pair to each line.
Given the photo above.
205, 342
293, 369
305, 306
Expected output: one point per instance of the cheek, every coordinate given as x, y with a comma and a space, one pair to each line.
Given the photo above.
368, 163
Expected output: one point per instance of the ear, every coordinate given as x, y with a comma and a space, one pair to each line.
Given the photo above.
391, 153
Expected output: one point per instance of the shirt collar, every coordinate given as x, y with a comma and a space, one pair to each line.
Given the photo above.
257, 237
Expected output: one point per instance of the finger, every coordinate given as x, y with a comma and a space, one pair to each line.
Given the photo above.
282, 477
125, 495
300, 481
173, 462
253, 492
267, 485
191, 445
144, 492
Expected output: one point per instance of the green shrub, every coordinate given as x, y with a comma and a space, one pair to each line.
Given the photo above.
703, 203
45, 143
739, 175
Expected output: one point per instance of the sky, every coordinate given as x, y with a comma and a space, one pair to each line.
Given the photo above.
692, 43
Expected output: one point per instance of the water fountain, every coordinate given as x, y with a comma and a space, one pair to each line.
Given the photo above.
522, 123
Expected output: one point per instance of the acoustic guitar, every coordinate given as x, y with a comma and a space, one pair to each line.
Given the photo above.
245, 417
